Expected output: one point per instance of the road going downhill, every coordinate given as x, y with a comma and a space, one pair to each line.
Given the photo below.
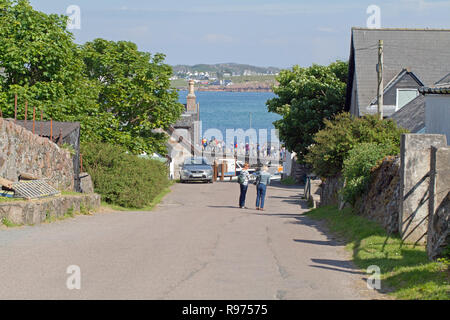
197, 244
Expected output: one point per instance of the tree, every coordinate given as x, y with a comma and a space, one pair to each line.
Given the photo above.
41, 64
119, 96
305, 97
135, 89
345, 132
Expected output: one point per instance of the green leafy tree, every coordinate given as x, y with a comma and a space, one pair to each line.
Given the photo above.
119, 96
358, 165
135, 89
42, 65
340, 135
305, 97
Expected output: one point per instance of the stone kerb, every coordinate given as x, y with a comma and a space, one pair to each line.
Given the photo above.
38, 211
415, 183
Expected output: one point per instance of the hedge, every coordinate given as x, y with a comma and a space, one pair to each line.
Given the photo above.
121, 178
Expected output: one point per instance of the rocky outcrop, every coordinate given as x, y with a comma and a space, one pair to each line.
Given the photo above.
21, 151
381, 201
37, 211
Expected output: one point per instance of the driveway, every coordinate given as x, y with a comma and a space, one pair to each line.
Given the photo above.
197, 244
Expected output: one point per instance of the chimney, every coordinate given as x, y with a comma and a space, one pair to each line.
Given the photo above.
191, 106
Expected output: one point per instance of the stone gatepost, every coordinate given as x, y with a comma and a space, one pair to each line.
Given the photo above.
415, 157
439, 204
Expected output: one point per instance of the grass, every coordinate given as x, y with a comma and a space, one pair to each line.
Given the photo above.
405, 269
6, 199
149, 207
63, 193
9, 223
288, 181
71, 193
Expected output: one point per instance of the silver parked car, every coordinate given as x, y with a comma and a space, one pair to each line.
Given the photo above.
196, 169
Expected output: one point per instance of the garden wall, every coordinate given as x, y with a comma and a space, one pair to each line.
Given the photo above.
381, 201
438, 235
37, 211
329, 191
21, 151
408, 194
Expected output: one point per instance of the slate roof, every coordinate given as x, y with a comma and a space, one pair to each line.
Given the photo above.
435, 90
412, 115
444, 81
398, 77
66, 127
425, 52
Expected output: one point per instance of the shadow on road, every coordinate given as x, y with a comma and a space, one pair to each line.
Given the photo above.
336, 269
224, 207
317, 242
279, 185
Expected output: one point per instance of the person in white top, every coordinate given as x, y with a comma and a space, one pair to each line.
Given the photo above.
243, 179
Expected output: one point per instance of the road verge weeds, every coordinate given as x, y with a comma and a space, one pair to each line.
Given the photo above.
405, 268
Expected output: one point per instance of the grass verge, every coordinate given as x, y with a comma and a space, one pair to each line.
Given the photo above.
150, 207
405, 269
288, 181
9, 224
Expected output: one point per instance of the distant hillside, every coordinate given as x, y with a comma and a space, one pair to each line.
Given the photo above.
223, 68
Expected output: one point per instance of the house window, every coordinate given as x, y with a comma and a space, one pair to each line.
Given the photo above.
404, 96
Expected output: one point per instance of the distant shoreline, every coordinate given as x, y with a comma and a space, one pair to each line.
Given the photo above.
228, 90
244, 87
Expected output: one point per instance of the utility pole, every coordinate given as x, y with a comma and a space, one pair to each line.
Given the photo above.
380, 79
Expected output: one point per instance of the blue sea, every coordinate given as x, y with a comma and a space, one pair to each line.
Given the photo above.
233, 110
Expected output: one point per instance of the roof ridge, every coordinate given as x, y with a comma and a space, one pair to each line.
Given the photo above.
400, 29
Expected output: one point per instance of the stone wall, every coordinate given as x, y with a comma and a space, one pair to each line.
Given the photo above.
381, 201
415, 157
439, 203
37, 211
329, 191
21, 151
409, 194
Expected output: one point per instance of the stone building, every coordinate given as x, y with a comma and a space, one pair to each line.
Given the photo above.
185, 137
412, 58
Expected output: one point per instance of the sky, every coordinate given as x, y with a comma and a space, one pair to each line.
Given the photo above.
279, 33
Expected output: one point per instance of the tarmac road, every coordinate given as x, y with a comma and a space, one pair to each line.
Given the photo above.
197, 244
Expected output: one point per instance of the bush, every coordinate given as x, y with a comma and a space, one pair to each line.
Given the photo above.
358, 166
343, 133
123, 179
288, 181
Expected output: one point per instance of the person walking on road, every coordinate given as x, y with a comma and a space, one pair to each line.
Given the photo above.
262, 181
243, 179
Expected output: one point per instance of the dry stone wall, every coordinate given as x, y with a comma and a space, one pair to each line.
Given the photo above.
438, 235
21, 151
329, 191
381, 201
38, 211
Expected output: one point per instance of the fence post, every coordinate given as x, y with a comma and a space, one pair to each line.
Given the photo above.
215, 170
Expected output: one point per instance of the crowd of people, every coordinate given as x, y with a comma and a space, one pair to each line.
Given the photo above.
267, 150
